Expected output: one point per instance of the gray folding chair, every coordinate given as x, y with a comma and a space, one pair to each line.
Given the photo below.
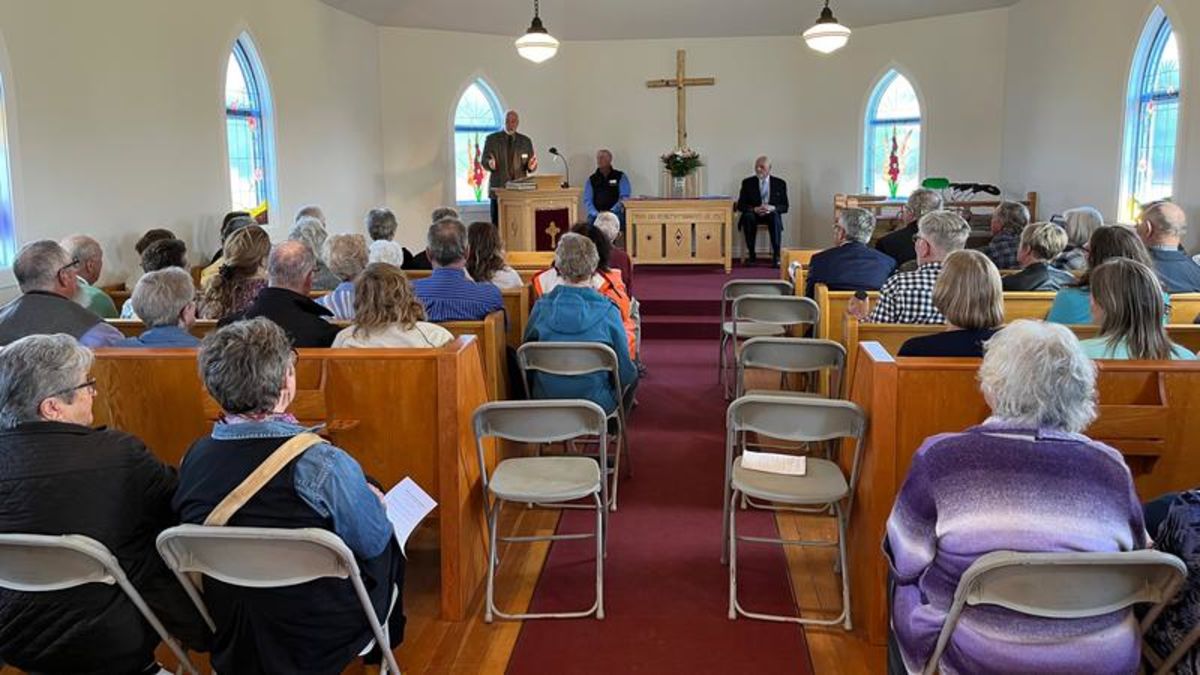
1065, 586
573, 359
543, 480
788, 356
268, 557
823, 486
736, 289
769, 316
39, 563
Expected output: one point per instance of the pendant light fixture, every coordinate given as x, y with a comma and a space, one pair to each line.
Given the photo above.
537, 44
827, 35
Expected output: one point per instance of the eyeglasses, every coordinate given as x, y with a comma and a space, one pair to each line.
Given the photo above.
90, 385
64, 268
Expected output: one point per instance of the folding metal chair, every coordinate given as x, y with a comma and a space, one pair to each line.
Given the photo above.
573, 359
823, 486
788, 356
769, 316
38, 563
267, 557
543, 480
1065, 586
736, 289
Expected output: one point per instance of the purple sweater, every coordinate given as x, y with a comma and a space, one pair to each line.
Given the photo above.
972, 493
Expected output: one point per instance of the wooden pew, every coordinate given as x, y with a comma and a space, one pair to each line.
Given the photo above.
801, 255
399, 412
1185, 308
1146, 411
833, 311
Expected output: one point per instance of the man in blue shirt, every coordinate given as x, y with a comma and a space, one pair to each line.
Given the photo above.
1162, 226
850, 265
448, 295
165, 300
606, 189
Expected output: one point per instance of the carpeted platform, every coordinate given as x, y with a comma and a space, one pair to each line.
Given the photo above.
684, 303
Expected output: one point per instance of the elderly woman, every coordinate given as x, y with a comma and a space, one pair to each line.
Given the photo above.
159, 255
1024, 480
242, 274
1127, 301
1008, 220
311, 231
1040, 243
968, 294
388, 314
608, 223
485, 257
62, 476
316, 627
1079, 224
1072, 304
166, 302
381, 226
575, 312
347, 254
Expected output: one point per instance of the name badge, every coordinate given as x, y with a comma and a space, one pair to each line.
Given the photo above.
612, 181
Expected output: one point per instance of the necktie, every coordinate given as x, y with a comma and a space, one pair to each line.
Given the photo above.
765, 187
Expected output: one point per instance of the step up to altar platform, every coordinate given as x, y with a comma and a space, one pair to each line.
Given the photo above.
684, 303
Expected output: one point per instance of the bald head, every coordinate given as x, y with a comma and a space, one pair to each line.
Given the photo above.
1162, 224
89, 254
291, 266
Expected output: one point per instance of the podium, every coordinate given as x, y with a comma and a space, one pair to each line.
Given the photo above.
533, 219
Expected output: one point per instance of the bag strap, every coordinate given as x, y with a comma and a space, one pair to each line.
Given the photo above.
283, 455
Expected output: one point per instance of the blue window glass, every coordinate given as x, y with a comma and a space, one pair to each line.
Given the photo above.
8, 233
1152, 124
247, 127
478, 114
893, 129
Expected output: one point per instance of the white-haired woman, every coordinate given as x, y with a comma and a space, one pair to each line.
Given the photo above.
1079, 224
608, 223
311, 231
1024, 480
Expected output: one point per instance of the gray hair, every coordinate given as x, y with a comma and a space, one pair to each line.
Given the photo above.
576, 257
347, 255
608, 223
447, 241
311, 211
923, 201
1080, 223
1013, 217
38, 264
1036, 374
858, 224
945, 230
82, 248
245, 364
311, 231
289, 263
381, 224
443, 212
161, 296
36, 368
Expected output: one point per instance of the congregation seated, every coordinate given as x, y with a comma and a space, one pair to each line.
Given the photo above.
241, 276
158, 255
1127, 303
310, 230
1001, 486
850, 265
1040, 244
1079, 224
286, 301
485, 257
420, 260
1008, 221
45, 274
348, 257
90, 257
1072, 304
448, 294
907, 297
314, 627
968, 293
165, 300
233, 221
61, 476
381, 227
901, 244
574, 311
388, 314
608, 223
1162, 226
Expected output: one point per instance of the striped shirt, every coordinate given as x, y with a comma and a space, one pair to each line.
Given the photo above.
340, 301
448, 295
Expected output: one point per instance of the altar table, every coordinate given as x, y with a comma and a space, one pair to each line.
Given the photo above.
680, 231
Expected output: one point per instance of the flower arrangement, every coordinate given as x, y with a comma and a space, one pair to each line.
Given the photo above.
896, 160
682, 163
475, 173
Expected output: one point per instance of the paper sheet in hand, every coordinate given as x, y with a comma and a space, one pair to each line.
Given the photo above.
773, 462
407, 505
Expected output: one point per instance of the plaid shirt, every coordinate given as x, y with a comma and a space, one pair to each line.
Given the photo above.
907, 297
1003, 250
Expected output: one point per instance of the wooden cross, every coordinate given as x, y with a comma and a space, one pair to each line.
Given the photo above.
553, 231
679, 83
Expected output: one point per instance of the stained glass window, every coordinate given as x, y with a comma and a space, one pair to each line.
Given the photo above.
247, 125
893, 131
478, 114
1152, 123
8, 234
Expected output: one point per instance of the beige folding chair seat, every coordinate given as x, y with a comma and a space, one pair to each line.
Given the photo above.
822, 483
545, 479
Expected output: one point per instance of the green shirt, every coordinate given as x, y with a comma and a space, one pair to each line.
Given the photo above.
1100, 348
96, 300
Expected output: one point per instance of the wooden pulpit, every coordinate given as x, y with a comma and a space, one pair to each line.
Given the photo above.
534, 219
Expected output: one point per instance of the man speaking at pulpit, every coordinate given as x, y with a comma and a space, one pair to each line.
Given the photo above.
508, 155
763, 199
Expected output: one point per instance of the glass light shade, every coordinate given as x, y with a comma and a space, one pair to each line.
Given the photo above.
827, 37
537, 46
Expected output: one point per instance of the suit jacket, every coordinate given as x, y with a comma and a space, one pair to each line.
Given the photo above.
1039, 276
853, 266
298, 315
750, 197
899, 244
509, 165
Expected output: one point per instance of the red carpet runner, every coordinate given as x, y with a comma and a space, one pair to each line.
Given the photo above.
666, 590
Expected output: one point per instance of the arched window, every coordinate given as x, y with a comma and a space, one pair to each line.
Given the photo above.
477, 114
892, 156
8, 232
1152, 117
248, 126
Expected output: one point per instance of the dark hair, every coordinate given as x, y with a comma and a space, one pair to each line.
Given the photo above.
1113, 241
151, 236
164, 253
485, 255
234, 224
231, 215
603, 245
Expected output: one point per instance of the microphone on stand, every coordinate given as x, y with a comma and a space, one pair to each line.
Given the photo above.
567, 182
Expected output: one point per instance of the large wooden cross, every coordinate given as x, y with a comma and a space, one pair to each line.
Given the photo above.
679, 83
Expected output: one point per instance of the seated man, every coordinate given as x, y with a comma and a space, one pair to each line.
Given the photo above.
46, 277
850, 265
448, 295
1008, 221
1162, 226
61, 476
91, 262
420, 260
286, 299
314, 627
1040, 243
907, 297
606, 189
575, 312
763, 199
900, 244
166, 302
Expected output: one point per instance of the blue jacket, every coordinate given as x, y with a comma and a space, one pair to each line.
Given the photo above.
853, 266
161, 337
1179, 274
571, 314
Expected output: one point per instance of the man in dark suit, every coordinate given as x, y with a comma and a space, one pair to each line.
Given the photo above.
509, 156
899, 244
763, 199
850, 265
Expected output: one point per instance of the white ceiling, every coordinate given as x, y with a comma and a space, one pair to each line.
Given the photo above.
639, 19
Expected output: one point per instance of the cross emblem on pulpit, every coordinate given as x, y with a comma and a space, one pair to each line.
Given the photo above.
552, 231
